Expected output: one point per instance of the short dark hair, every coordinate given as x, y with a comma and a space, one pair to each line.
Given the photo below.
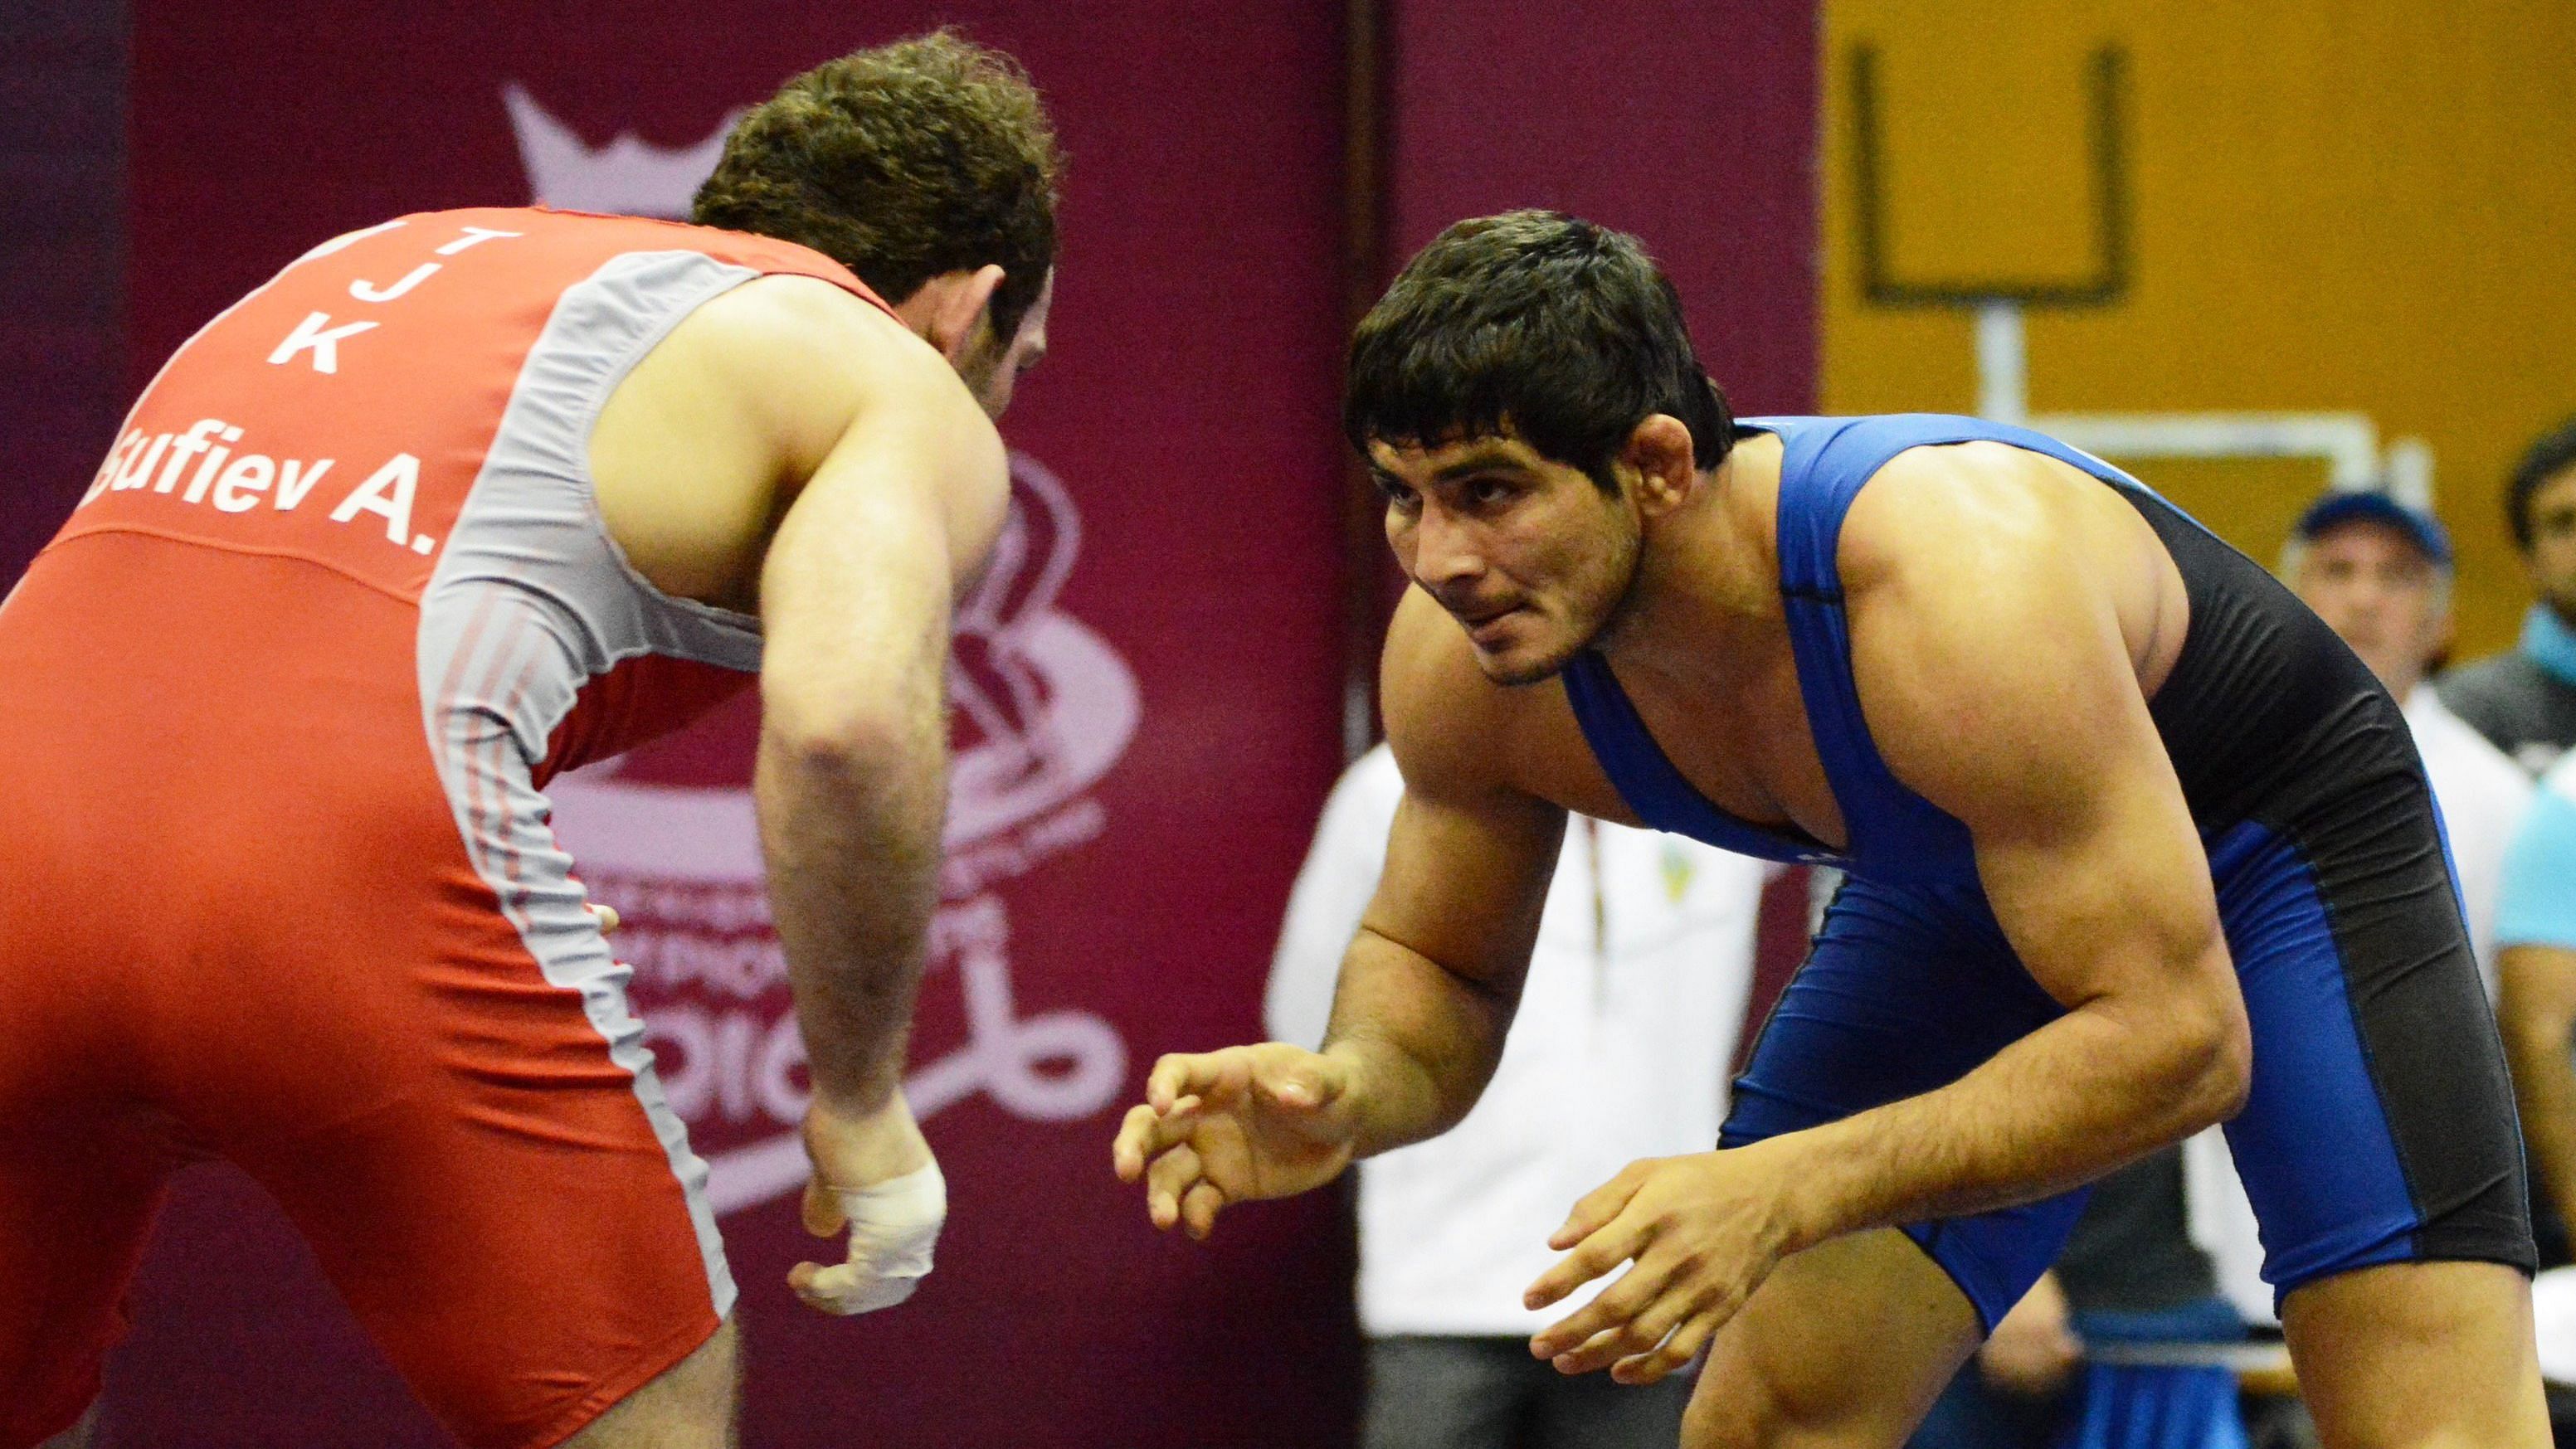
926, 156
2554, 453
1541, 325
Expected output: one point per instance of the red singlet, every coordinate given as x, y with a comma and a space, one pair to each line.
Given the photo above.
275, 711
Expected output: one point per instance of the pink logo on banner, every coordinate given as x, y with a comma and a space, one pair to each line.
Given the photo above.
1040, 707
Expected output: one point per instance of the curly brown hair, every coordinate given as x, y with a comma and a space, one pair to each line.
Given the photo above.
926, 156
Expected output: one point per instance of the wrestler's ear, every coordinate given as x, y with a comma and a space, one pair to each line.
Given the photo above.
1659, 452
953, 310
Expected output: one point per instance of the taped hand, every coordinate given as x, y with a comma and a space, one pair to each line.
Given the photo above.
892, 1225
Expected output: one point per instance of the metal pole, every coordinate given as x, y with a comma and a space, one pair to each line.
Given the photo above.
2003, 370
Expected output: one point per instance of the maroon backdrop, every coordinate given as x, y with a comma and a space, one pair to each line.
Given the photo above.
1150, 697
1692, 126
1689, 124
62, 247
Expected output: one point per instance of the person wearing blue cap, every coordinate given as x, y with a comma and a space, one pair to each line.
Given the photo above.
2524, 700
2379, 573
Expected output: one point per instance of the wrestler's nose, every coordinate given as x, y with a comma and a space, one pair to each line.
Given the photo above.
1445, 551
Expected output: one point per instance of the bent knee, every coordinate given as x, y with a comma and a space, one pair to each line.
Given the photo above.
1789, 1395
1751, 1411
1733, 1415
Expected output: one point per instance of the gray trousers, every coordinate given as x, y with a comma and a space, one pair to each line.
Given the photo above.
1488, 1393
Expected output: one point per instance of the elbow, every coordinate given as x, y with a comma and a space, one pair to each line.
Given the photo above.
2186, 1060
833, 728
2230, 1079
2214, 1063
842, 746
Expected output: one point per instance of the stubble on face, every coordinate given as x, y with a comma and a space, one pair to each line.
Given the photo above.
1529, 556
991, 367
980, 368
1594, 586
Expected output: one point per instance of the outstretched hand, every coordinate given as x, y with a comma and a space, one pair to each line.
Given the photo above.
1702, 1231
1223, 1127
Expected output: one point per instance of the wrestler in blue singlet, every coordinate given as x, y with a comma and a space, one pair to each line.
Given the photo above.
2379, 1127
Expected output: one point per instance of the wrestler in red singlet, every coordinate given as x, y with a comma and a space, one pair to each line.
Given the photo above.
335, 609
276, 710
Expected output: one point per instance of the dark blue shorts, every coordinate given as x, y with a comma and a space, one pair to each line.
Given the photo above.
2380, 1127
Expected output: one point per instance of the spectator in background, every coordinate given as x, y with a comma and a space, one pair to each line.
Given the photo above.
1628, 1020
2379, 574
2524, 701
2536, 927
2536, 934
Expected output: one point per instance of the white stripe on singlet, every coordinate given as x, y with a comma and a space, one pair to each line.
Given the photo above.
530, 602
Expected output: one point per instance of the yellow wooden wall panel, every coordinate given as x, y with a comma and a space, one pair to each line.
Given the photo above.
2337, 206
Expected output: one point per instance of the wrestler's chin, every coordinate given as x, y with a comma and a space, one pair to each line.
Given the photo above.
1516, 649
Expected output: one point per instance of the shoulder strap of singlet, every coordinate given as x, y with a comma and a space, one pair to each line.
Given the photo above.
1645, 776
1893, 830
768, 255
1823, 465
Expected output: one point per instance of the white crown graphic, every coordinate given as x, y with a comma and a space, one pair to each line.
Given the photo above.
629, 175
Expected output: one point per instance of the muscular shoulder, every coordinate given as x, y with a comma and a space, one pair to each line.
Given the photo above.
1999, 613
703, 446
1453, 731
1441, 712
1961, 508
807, 357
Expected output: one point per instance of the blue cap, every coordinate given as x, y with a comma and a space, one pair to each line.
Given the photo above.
2369, 505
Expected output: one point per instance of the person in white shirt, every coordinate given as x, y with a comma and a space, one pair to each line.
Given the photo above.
2379, 573
1628, 1021
2537, 928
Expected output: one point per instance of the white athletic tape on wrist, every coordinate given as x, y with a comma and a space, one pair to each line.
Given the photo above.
893, 1227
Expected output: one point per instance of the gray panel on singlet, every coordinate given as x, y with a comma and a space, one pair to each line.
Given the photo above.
530, 601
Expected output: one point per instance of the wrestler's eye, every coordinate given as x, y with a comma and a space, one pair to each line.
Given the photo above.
1397, 496
1487, 492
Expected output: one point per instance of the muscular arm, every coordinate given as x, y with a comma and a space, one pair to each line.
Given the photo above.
2537, 1009
1430, 982
1996, 654
855, 590
1427, 988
